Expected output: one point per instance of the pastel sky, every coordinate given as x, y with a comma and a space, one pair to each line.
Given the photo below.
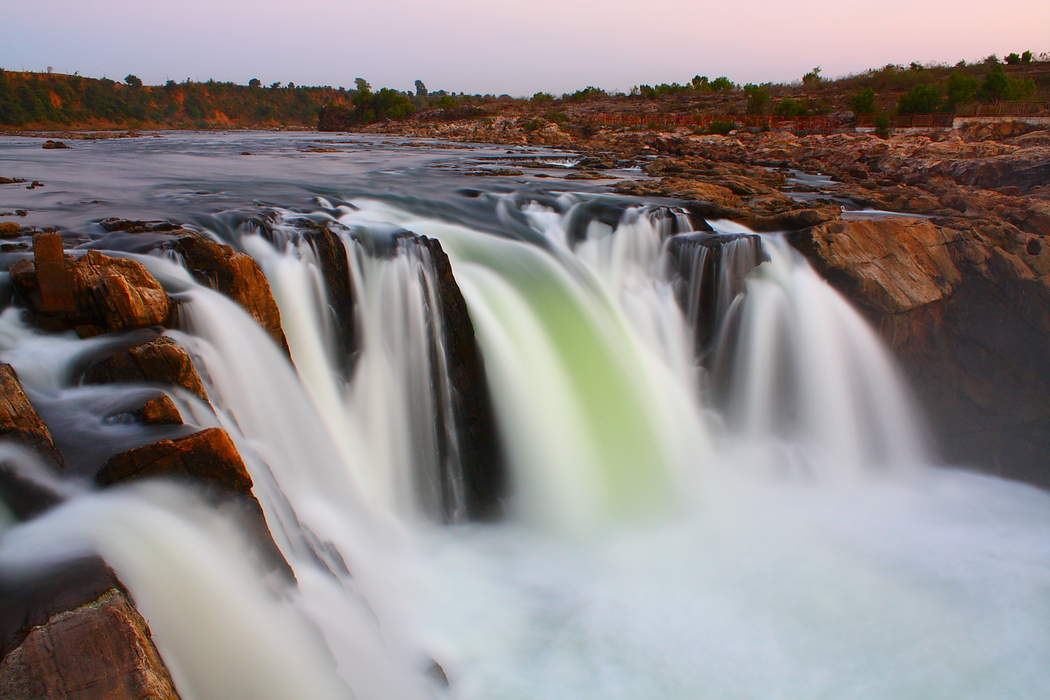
496, 46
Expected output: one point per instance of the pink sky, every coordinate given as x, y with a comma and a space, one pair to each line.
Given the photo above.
519, 47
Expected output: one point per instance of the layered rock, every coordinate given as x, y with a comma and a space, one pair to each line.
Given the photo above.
92, 294
234, 274
101, 649
966, 308
160, 360
208, 458
20, 423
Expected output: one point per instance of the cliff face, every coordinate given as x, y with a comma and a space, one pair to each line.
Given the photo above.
967, 311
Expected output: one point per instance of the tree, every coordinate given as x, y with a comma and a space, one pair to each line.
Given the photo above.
362, 85
961, 88
722, 84
132, 80
863, 101
812, 78
921, 99
1026, 57
1013, 58
757, 98
700, 82
541, 97
421, 89
254, 83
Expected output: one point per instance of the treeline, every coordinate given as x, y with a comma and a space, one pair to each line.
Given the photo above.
42, 100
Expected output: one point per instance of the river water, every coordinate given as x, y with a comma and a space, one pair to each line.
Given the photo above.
748, 510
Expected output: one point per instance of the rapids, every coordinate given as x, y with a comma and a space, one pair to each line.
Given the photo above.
718, 484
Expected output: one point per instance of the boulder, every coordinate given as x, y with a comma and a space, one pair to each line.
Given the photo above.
92, 294
20, 423
49, 144
208, 456
102, 649
236, 275
160, 360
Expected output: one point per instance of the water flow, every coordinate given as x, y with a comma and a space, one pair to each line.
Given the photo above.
701, 572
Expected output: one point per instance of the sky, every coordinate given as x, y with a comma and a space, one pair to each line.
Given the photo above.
498, 46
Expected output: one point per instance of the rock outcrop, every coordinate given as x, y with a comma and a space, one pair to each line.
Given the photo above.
92, 294
234, 274
20, 423
480, 450
160, 360
99, 650
966, 307
209, 456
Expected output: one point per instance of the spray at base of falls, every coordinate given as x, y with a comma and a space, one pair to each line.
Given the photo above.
764, 523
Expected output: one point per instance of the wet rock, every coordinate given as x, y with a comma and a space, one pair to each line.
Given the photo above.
968, 317
102, 649
159, 411
9, 229
20, 423
49, 144
480, 450
92, 294
208, 456
19, 420
10, 180
132, 226
160, 360
237, 276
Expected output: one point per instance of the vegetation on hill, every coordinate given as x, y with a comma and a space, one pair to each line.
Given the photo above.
40, 101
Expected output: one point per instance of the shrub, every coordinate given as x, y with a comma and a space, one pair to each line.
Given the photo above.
961, 88
787, 107
921, 99
882, 126
542, 97
812, 78
863, 101
1026, 57
722, 127
722, 84
1013, 58
757, 98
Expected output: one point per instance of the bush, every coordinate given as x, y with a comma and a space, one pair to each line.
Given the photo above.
588, 93
787, 107
719, 126
921, 99
882, 126
961, 88
757, 98
997, 85
542, 98
863, 101
1013, 58
722, 84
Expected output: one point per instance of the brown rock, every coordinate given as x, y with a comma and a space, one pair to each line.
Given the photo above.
160, 411
100, 650
93, 294
54, 144
9, 229
160, 360
209, 455
19, 420
891, 264
237, 276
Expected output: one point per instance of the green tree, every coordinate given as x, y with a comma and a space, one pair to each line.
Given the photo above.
421, 89
700, 82
254, 83
812, 78
362, 85
132, 80
1013, 58
1026, 57
863, 101
541, 97
921, 99
758, 98
961, 88
722, 84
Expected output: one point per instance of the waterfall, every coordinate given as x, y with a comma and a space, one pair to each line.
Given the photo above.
718, 485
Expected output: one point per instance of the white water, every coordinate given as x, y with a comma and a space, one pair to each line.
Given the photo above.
792, 542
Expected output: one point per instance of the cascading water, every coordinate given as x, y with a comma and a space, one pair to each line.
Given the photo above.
718, 487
